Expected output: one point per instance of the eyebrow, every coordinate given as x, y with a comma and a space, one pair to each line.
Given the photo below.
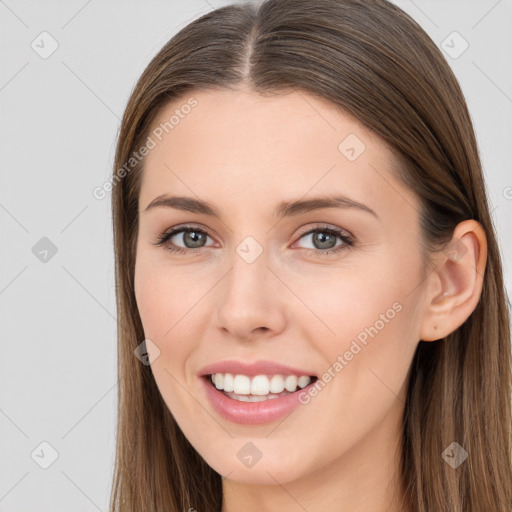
284, 208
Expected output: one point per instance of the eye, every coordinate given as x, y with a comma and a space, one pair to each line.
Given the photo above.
192, 237
323, 238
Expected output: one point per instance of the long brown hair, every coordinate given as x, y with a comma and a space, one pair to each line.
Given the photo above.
375, 62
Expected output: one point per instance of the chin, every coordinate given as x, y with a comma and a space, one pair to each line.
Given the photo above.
276, 469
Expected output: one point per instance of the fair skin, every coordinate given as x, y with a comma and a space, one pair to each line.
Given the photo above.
244, 154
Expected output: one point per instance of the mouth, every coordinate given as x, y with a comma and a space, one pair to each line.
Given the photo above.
258, 388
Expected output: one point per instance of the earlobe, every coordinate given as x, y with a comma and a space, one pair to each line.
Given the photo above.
456, 282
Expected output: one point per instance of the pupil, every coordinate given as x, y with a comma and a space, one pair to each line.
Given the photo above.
323, 239
195, 237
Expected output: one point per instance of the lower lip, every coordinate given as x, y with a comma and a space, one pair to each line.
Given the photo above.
251, 413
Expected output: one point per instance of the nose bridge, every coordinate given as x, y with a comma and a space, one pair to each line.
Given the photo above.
247, 299
248, 275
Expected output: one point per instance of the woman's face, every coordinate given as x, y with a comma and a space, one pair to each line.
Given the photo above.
260, 285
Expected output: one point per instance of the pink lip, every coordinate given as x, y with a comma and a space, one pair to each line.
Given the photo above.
262, 367
251, 413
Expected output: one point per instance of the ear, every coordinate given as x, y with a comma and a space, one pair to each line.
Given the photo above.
455, 284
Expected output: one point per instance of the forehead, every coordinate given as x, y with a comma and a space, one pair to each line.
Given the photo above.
259, 148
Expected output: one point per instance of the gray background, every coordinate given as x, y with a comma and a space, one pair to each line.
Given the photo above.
59, 120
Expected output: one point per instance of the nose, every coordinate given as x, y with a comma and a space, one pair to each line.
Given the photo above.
251, 300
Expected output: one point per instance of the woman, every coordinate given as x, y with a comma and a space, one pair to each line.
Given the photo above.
307, 273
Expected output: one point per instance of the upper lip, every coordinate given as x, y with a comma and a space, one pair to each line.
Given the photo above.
253, 368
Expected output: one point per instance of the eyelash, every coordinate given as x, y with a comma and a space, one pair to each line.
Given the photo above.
348, 240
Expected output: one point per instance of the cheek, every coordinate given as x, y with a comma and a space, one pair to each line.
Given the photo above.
150, 298
370, 327
165, 298
350, 301
369, 331
164, 310
168, 300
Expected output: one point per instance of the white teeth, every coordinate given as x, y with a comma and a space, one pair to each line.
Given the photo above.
276, 384
302, 382
219, 381
228, 382
259, 385
253, 398
242, 385
291, 383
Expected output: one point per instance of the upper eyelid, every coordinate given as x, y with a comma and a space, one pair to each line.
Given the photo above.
325, 227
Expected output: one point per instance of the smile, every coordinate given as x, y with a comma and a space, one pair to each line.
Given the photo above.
254, 400
260, 387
